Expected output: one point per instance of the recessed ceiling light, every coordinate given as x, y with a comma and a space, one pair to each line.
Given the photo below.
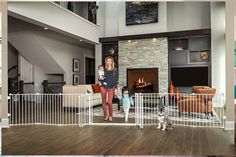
45, 28
129, 41
154, 39
80, 40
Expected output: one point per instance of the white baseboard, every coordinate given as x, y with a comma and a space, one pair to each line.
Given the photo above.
4, 123
229, 125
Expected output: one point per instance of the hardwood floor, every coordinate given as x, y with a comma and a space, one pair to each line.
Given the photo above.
100, 119
115, 140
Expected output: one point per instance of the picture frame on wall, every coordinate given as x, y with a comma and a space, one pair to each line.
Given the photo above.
139, 12
76, 65
75, 79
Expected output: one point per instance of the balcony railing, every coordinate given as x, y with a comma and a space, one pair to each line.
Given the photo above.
52, 87
87, 10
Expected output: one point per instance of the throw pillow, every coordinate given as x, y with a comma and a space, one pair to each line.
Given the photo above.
195, 88
96, 88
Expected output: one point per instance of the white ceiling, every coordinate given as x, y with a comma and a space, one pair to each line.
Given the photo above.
53, 33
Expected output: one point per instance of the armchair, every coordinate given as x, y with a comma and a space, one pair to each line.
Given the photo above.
200, 103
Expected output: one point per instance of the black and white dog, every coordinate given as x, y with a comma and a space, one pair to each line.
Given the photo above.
164, 120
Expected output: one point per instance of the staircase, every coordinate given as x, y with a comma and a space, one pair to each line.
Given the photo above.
34, 51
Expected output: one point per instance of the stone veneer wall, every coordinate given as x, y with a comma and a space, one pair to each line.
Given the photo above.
145, 53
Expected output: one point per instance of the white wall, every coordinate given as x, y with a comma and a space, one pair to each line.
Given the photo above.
218, 46
188, 15
39, 76
111, 18
0, 24
55, 17
57, 48
4, 101
38, 73
35, 53
12, 61
229, 66
98, 60
0, 66
172, 16
234, 27
101, 17
63, 53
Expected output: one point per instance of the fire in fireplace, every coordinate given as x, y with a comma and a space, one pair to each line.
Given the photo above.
141, 86
142, 80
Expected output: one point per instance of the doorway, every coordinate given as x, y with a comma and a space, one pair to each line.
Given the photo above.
89, 70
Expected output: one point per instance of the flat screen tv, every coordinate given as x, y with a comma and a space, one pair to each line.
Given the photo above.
189, 76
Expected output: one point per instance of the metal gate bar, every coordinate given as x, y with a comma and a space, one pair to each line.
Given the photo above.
196, 110
51, 109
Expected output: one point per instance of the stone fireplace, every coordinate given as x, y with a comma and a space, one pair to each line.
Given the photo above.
142, 80
144, 54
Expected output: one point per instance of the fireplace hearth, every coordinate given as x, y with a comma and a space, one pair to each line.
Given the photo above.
142, 80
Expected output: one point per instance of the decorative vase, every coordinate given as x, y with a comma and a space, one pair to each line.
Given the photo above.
177, 94
171, 88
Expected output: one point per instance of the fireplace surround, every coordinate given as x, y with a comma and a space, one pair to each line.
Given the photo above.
144, 53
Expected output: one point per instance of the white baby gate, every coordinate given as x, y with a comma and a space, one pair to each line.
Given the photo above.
50, 109
196, 110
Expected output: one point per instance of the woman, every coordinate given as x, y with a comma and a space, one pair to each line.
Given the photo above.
109, 86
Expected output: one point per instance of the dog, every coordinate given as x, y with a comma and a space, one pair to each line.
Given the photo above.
164, 121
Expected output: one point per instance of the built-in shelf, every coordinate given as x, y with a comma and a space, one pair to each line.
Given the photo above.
196, 53
189, 50
110, 49
199, 56
180, 44
199, 43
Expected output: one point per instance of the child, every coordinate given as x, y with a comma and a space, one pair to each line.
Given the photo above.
126, 101
101, 74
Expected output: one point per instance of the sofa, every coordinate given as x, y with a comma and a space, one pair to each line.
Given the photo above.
200, 101
93, 89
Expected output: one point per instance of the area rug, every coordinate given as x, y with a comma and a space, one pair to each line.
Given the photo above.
97, 111
151, 113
